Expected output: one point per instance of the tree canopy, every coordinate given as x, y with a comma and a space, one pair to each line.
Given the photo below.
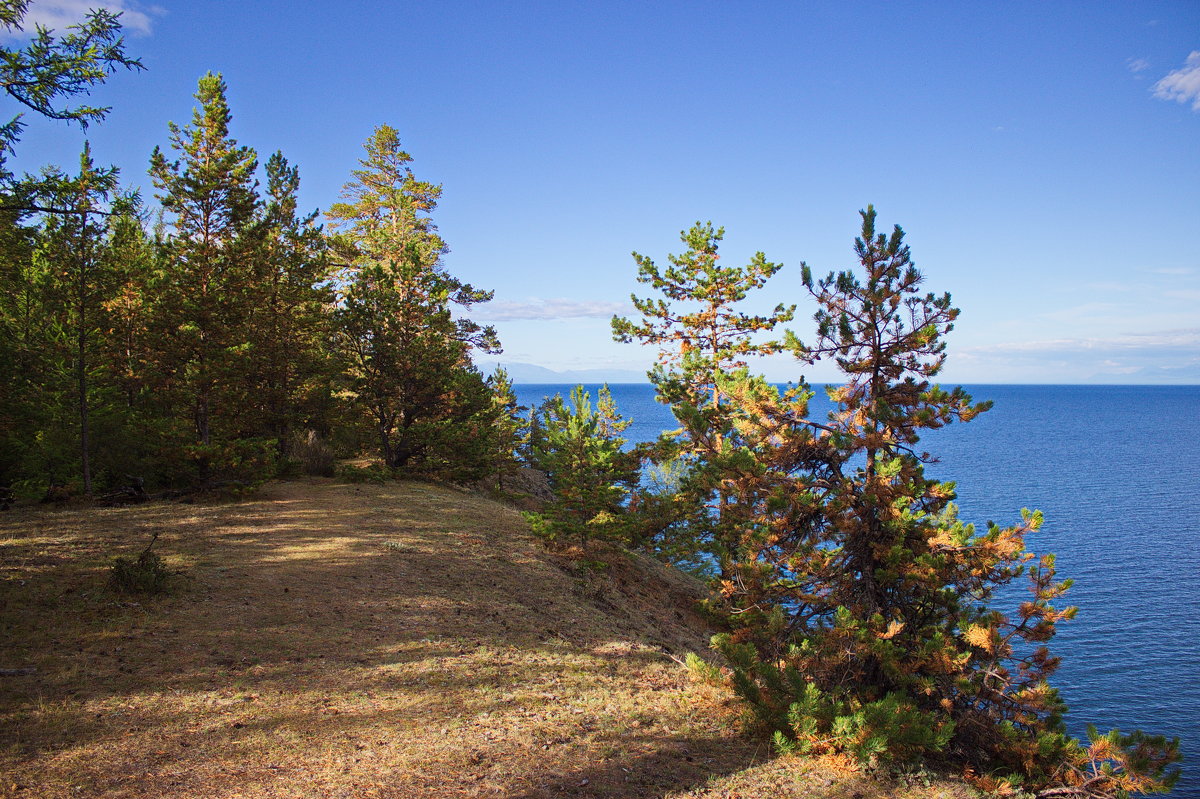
220, 335
861, 612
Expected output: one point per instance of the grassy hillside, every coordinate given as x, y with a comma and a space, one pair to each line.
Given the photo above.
331, 640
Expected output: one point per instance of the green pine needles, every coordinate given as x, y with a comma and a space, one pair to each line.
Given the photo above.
407, 355
580, 448
859, 607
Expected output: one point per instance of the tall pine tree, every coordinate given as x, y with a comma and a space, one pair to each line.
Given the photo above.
409, 357
79, 283
289, 321
208, 277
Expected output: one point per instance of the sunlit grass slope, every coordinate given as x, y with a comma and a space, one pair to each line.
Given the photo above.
331, 640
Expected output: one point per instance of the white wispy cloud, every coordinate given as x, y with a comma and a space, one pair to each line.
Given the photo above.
1182, 85
1137, 65
56, 15
1163, 356
554, 308
1163, 340
1191, 295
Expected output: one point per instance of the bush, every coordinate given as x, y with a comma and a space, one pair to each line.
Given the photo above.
313, 454
372, 473
145, 574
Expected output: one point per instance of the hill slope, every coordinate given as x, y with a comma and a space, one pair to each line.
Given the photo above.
329, 640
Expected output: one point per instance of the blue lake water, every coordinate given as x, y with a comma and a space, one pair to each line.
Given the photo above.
1116, 470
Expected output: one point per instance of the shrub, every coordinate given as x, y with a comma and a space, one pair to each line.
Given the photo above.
313, 453
371, 473
145, 574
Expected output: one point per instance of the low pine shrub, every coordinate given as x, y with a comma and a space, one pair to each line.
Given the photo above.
145, 574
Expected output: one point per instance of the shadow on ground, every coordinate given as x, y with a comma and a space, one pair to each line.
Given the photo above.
338, 640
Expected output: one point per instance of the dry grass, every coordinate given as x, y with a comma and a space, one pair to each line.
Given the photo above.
328, 640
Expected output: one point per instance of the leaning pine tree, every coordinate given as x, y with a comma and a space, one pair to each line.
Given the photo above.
862, 617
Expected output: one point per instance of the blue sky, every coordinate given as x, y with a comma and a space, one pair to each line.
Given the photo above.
1044, 158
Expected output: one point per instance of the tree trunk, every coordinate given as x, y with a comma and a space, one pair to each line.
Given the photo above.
81, 358
84, 442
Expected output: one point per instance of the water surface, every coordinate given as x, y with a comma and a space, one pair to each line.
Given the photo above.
1116, 470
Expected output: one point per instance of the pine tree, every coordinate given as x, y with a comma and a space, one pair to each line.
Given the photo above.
51, 69
20, 340
509, 430
129, 344
208, 279
703, 337
581, 450
288, 326
864, 617
78, 286
41, 76
410, 370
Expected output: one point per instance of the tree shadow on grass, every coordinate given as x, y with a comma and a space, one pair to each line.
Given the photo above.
339, 614
664, 764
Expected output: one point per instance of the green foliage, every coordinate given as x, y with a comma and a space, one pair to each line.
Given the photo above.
207, 278
890, 729
857, 601
53, 68
288, 327
409, 371
62, 417
510, 428
702, 671
76, 282
193, 353
580, 449
372, 473
703, 338
145, 574
664, 520
248, 462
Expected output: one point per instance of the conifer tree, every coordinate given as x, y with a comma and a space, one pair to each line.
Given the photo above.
703, 336
509, 430
53, 320
20, 339
78, 285
43, 76
864, 617
410, 369
51, 69
208, 279
581, 450
129, 343
289, 313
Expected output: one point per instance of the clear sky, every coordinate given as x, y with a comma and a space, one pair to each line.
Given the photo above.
1044, 158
